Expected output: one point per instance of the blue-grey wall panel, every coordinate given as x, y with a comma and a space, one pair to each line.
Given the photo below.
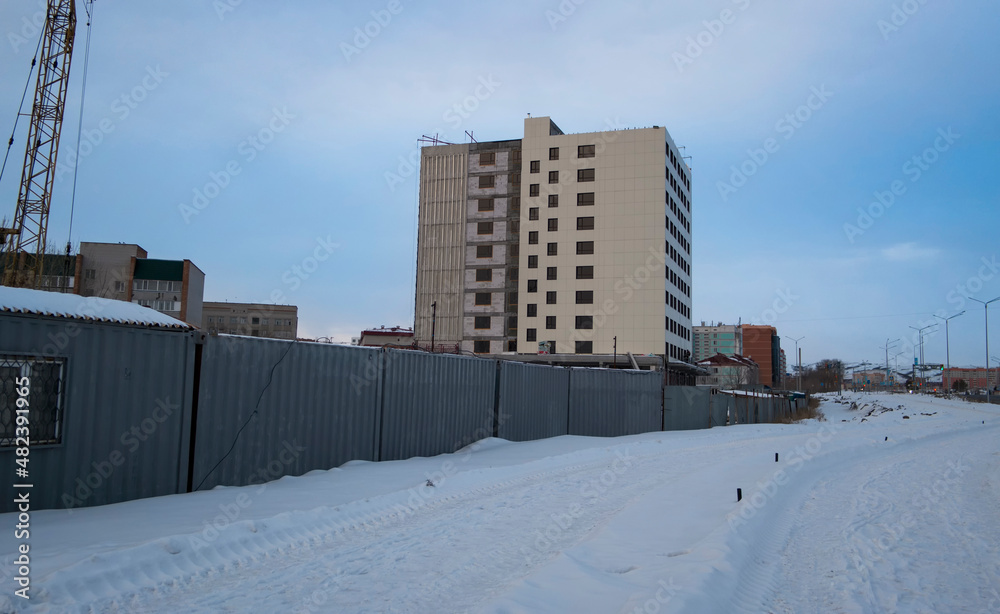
318, 412
687, 408
534, 401
126, 412
721, 406
612, 403
435, 403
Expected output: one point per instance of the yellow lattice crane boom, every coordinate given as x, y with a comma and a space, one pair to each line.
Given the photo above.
24, 243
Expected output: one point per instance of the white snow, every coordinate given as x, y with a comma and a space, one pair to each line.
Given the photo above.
39, 302
891, 507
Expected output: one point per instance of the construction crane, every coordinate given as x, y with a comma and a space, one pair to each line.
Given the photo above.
24, 243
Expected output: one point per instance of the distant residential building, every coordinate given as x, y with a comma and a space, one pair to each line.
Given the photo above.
763, 345
173, 287
725, 339
784, 369
395, 336
975, 378
251, 320
729, 371
58, 273
567, 243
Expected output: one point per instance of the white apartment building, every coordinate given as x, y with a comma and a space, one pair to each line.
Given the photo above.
713, 339
561, 243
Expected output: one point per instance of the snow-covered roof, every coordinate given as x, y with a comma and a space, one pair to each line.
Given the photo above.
21, 300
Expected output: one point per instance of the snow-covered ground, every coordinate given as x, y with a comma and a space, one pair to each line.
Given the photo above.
894, 507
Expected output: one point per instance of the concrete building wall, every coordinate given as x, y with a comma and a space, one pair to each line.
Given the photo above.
251, 319
106, 269
758, 346
631, 264
441, 244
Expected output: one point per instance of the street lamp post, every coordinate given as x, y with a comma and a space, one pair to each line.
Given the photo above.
947, 343
888, 344
986, 312
920, 343
799, 369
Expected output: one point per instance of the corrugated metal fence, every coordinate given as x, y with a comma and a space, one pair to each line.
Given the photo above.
135, 427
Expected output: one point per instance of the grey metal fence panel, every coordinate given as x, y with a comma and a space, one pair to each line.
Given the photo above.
721, 407
435, 403
612, 403
126, 412
318, 411
686, 408
534, 401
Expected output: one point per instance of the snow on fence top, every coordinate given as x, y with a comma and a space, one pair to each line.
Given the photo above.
21, 300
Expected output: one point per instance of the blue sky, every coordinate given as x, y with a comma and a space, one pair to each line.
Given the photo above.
290, 119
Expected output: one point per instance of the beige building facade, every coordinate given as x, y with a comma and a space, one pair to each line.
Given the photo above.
251, 320
561, 243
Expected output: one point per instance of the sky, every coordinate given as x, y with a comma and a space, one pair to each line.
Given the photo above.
843, 156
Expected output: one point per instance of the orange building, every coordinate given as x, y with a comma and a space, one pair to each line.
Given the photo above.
763, 346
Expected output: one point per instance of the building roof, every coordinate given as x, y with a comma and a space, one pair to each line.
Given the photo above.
727, 360
72, 306
395, 331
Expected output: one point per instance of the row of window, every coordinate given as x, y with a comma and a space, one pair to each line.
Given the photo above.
243, 320
678, 305
675, 233
678, 259
583, 175
583, 297
680, 214
678, 283
582, 151
582, 272
152, 285
159, 305
679, 167
583, 199
678, 329
583, 248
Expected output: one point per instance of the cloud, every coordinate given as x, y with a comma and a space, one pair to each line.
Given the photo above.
907, 252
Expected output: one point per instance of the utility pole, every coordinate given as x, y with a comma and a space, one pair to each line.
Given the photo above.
434, 310
986, 311
920, 343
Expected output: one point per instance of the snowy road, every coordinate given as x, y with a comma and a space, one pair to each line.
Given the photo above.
866, 512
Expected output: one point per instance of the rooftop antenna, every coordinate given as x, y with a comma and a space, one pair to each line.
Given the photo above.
434, 140
471, 138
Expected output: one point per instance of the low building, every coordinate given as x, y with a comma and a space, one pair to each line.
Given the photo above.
974, 378
729, 371
251, 320
397, 336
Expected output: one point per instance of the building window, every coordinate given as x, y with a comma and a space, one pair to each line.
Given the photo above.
482, 322
550, 273
484, 228
487, 181
532, 262
484, 274
584, 223
532, 237
512, 273
584, 322
484, 251
550, 322
514, 179
585, 174
515, 155
532, 310
533, 213
487, 158
486, 204
584, 347
536, 166
532, 285
553, 200
232, 320
41, 383
584, 297
550, 297
553, 176
481, 346
584, 247
585, 151
484, 298
584, 272
585, 199
553, 224
530, 334
534, 189
553, 153
255, 321
515, 203
263, 322
243, 320
552, 249
119, 286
